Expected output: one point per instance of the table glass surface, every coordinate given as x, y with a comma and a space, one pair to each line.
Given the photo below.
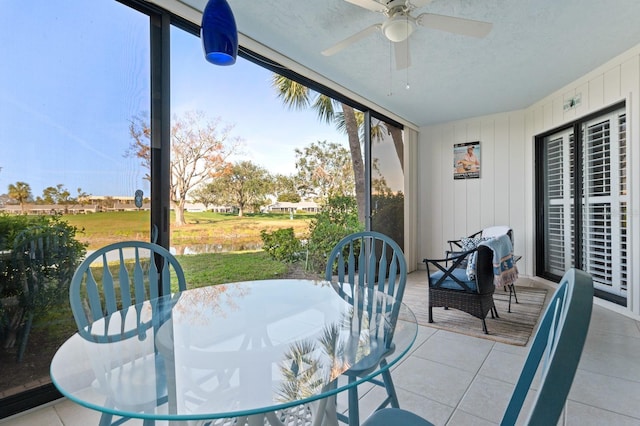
229, 350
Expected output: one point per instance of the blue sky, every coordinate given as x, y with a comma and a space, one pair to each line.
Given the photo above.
75, 72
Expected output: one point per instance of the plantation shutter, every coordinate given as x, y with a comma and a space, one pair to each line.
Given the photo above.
598, 149
622, 159
555, 189
604, 203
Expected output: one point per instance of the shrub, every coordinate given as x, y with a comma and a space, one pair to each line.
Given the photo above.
281, 244
338, 218
39, 256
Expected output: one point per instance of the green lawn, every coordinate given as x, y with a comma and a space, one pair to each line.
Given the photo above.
217, 268
203, 227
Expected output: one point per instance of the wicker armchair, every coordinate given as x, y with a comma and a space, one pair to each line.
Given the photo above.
456, 247
450, 287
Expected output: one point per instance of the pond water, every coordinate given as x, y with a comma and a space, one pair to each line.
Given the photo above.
213, 248
191, 249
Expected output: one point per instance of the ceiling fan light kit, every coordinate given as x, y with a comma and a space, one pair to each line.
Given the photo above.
398, 27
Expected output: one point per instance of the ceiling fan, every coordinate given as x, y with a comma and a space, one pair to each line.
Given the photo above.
400, 24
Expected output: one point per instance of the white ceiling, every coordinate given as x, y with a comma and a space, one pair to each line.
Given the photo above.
535, 48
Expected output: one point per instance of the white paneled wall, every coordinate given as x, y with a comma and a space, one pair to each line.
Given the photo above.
504, 194
456, 208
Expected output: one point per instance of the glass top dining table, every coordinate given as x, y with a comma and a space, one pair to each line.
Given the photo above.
250, 349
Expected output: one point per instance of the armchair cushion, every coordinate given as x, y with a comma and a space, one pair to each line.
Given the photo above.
450, 283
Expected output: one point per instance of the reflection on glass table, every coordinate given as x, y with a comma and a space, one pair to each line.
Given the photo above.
251, 350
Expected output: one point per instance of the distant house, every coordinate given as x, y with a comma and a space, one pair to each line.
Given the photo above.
128, 207
286, 207
46, 209
201, 207
12, 208
195, 207
222, 209
123, 199
89, 204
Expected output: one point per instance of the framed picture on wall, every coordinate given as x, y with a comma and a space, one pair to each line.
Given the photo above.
466, 160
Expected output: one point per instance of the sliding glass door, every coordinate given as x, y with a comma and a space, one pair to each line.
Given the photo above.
582, 201
74, 75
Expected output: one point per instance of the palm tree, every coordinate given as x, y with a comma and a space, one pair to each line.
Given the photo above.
21, 192
295, 95
346, 119
377, 132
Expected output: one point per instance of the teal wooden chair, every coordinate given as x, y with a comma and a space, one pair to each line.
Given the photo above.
361, 263
559, 340
142, 270
112, 283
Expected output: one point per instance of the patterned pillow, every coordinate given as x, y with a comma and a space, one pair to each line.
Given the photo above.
471, 243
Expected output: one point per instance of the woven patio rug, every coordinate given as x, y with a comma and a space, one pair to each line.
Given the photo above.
513, 328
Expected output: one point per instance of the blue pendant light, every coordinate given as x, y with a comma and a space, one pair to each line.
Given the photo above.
219, 33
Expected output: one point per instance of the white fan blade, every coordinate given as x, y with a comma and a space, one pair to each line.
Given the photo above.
369, 4
467, 27
401, 50
350, 40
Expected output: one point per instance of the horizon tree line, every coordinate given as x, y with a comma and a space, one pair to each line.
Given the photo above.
21, 193
323, 170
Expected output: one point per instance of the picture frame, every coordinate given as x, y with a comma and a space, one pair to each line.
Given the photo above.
466, 160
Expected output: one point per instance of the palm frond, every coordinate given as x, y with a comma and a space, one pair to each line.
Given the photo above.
293, 94
325, 107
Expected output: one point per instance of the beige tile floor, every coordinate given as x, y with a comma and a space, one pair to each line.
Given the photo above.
456, 380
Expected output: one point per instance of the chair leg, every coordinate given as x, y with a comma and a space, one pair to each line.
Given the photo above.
353, 409
484, 326
105, 419
430, 314
354, 415
512, 291
122, 420
389, 386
